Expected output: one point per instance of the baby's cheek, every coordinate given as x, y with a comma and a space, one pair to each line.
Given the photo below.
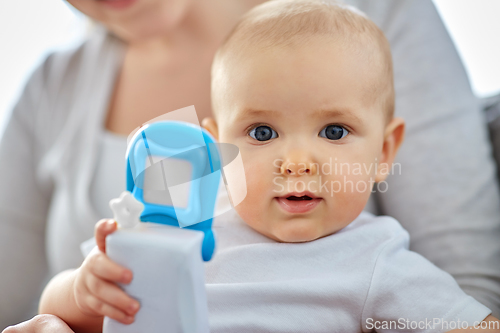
249, 211
352, 198
253, 208
258, 174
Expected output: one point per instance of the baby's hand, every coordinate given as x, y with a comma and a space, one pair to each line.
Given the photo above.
95, 291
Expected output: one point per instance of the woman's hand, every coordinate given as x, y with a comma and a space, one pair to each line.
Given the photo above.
95, 290
43, 323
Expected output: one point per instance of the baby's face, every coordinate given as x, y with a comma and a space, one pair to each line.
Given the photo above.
298, 115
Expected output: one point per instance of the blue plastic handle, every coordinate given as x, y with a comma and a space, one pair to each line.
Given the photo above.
183, 141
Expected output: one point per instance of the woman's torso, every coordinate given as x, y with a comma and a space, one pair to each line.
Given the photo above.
86, 163
148, 87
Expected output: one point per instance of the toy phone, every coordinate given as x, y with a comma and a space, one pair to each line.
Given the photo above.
174, 169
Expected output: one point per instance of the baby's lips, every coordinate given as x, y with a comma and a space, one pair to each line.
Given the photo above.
298, 206
300, 194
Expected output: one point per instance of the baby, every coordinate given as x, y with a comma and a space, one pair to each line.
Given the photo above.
305, 90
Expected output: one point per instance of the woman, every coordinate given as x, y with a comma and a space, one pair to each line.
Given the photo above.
62, 152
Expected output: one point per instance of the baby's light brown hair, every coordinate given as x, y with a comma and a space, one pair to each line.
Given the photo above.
282, 23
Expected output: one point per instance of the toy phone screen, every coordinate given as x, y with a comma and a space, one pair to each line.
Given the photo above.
167, 181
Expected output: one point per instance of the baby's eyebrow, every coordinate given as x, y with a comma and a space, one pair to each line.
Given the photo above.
252, 113
249, 113
337, 113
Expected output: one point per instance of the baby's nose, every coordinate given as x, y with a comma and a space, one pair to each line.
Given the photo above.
289, 168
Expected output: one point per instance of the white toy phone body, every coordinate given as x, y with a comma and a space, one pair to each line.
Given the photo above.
169, 278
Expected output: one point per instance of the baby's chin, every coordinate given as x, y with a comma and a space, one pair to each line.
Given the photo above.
299, 236
297, 230
292, 232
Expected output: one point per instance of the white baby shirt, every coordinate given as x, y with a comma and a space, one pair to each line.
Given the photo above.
361, 278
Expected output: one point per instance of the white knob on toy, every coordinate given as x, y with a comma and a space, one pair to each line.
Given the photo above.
126, 210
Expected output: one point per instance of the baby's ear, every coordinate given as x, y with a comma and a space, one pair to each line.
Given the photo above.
210, 125
393, 138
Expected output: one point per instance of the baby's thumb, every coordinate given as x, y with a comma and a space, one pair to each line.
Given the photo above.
103, 228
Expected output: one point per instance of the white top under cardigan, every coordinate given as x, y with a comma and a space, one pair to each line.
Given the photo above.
446, 197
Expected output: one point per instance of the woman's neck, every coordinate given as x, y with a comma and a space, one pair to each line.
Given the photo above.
202, 29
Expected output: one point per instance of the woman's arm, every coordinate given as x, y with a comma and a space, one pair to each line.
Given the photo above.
24, 204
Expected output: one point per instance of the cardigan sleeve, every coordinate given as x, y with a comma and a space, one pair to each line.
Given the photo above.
24, 204
445, 192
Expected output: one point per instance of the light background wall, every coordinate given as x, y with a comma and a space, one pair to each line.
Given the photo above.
30, 29
474, 26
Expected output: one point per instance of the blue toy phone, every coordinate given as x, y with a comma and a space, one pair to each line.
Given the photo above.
174, 169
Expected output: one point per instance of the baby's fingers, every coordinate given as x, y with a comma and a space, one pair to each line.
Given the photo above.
104, 309
110, 294
107, 269
102, 229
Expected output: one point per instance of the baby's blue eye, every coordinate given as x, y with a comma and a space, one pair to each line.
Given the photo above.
263, 133
333, 132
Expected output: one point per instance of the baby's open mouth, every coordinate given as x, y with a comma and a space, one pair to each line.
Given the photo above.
295, 198
302, 202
